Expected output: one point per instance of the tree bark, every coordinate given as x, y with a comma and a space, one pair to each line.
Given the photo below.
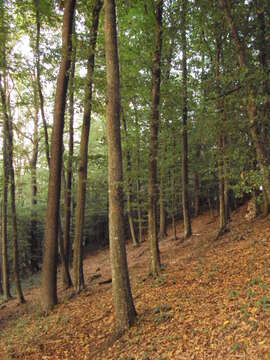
129, 184
138, 181
68, 189
153, 146
220, 145
5, 269
197, 185
185, 195
173, 183
124, 309
34, 246
9, 131
41, 98
162, 210
82, 170
49, 268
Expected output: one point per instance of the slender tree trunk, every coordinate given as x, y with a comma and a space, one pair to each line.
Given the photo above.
211, 205
9, 130
197, 184
226, 180
264, 53
138, 182
173, 184
68, 190
49, 269
82, 170
34, 246
162, 200
41, 98
222, 215
162, 210
139, 211
185, 196
125, 313
129, 184
153, 146
1, 287
223, 195
5, 270
61, 240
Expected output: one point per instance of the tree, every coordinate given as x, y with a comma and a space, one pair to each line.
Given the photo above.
49, 268
69, 174
82, 169
153, 145
124, 309
251, 93
4, 247
185, 197
33, 168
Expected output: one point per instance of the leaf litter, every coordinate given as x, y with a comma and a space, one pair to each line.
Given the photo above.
211, 301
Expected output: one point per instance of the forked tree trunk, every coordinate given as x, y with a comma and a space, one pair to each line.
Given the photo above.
49, 268
185, 195
82, 170
153, 146
124, 309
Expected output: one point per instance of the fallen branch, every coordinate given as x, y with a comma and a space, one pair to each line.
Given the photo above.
107, 281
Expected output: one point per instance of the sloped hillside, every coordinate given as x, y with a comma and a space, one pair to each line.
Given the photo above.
211, 302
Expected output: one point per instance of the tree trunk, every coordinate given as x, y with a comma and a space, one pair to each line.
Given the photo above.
139, 211
162, 211
222, 215
49, 269
153, 146
197, 185
68, 190
138, 182
41, 99
82, 170
16, 264
125, 313
34, 246
5, 270
185, 196
173, 183
129, 185
61, 240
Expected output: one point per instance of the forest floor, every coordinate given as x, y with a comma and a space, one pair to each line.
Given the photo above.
211, 302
